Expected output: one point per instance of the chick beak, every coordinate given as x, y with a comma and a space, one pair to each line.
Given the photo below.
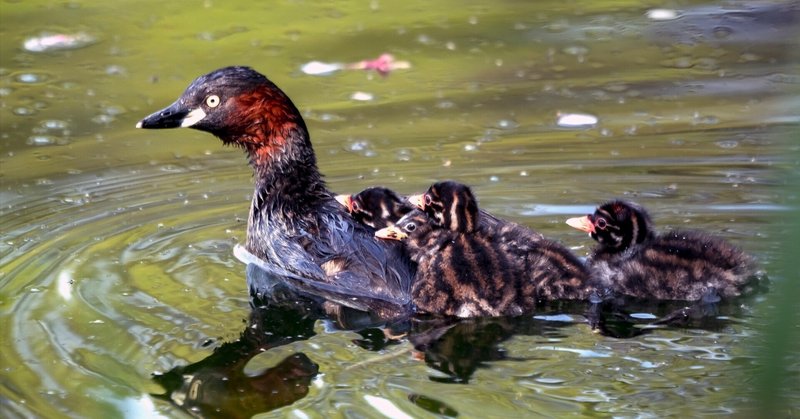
391, 233
346, 202
417, 201
582, 224
176, 115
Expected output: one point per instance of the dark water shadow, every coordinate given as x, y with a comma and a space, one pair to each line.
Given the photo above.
218, 385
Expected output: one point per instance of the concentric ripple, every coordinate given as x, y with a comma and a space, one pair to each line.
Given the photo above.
127, 269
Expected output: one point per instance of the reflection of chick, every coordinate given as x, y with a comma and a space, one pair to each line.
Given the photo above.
631, 259
466, 270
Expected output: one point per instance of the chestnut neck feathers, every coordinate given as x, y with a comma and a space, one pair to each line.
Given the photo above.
295, 224
256, 115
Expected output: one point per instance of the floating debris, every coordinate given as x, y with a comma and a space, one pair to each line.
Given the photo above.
362, 96
575, 120
46, 42
318, 68
662, 14
384, 64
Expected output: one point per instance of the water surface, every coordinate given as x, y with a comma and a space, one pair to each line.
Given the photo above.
119, 292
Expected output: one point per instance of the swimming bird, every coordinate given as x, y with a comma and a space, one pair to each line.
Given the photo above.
632, 259
295, 227
466, 269
443, 200
377, 206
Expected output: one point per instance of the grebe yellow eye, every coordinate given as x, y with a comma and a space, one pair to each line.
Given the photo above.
212, 101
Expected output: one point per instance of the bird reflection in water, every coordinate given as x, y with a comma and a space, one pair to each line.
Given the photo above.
221, 385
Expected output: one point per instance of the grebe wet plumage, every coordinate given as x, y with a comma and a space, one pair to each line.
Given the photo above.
632, 259
467, 269
295, 224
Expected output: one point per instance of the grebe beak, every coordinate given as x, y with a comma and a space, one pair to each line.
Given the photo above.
391, 233
582, 224
346, 202
173, 116
417, 201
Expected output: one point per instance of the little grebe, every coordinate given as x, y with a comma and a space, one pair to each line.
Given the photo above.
295, 223
631, 259
444, 199
467, 270
377, 207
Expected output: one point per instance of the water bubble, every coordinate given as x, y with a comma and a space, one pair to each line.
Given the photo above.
54, 124
403, 154
357, 146
704, 119
116, 70
558, 26
113, 110
470, 147
680, 62
360, 146
41, 140
616, 87
5, 91
445, 104
506, 124
576, 50
23, 111
749, 57
330, 117
30, 78
103, 119
424, 39
706, 63
722, 32
727, 144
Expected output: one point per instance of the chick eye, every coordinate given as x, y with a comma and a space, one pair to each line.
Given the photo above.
411, 227
212, 101
428, 199
355, 205
601, 223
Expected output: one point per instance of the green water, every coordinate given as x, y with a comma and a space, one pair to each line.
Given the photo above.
116, 254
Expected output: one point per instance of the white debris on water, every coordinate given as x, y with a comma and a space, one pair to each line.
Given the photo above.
318, 68
45, 42
662, 14
576, 120
362, 96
